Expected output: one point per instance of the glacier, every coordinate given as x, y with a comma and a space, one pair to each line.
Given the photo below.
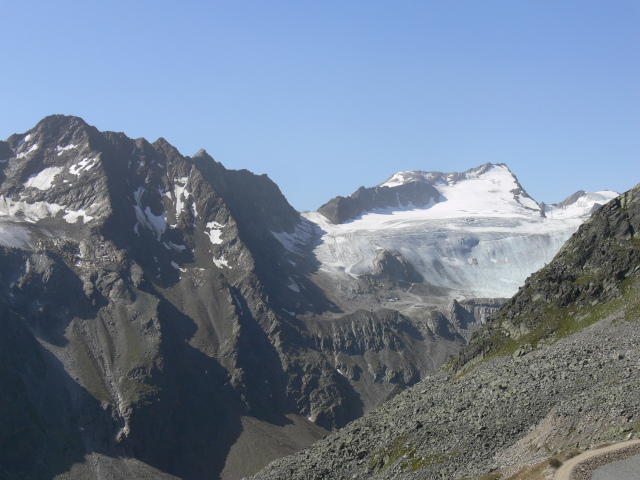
482, 238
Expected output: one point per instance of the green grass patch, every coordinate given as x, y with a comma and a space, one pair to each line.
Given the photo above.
399, 450
384, 457
553, 324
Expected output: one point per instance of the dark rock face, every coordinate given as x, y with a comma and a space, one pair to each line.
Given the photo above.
555, 370
341, 209
138, 292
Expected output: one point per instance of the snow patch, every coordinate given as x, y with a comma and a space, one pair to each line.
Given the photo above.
61, 150
296, 242
73, 216
396, 180
194, 210
30, 212
33, 148
293, 285
401, 178
181, 193
82, 165
21, 142
44, 179
221, 262
155, 223
215, 232
177, 247
14, 235
177, 267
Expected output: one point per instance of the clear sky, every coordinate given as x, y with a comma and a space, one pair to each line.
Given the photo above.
325, 96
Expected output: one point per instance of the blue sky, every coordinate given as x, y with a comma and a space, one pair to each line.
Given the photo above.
326, 96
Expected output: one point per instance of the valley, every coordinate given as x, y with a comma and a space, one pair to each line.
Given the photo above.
164, 315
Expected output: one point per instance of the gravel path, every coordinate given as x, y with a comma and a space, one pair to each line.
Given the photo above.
582, 466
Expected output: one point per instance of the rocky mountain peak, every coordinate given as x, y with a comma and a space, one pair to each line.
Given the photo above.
143, 273
202, 153
433, 177
420, 189
580, 203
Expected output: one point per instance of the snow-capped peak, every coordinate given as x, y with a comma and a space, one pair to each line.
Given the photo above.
433, 178
487, 190
490, 191
402, 178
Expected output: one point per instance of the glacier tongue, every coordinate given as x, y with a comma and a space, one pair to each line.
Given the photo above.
483, 238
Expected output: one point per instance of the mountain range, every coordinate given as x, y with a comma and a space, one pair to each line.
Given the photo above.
166, 317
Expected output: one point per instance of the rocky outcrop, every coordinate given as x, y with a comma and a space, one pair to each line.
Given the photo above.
381, 353
503, 417
468, 316
342, 209
393, 266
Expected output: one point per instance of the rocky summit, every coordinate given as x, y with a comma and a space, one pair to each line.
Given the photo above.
165, 317
555, 371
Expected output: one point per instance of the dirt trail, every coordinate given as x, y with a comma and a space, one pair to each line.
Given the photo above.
581, 467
